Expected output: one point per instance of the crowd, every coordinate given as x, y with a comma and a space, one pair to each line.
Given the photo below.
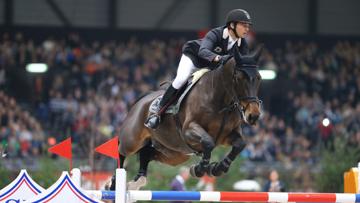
21, 135
319, 101
90, 87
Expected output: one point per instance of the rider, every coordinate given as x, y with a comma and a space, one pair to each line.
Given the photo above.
207, 52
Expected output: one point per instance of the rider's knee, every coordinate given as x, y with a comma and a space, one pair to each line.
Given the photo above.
179, 82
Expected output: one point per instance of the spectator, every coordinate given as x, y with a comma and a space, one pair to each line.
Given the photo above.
274, 184
178, 183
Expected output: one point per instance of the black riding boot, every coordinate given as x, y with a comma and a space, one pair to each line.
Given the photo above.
153, 120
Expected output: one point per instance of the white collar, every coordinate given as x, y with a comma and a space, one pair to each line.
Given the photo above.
226, 35
180, 179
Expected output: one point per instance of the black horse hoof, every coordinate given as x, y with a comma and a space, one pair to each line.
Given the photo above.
195, 172
214, 169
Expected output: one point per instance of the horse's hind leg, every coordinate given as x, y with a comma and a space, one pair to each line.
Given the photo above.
146, 154
113, 178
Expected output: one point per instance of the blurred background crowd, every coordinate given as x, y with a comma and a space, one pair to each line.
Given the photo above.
90, 87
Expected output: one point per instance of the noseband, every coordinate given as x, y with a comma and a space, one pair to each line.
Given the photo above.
236, 104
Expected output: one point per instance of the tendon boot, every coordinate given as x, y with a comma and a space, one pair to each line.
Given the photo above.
154, 120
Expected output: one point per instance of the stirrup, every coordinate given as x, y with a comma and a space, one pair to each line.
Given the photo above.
153, 121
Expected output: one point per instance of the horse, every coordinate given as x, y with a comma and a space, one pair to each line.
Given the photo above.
211, 114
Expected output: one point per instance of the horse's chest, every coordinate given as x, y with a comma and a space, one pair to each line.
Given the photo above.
223, 125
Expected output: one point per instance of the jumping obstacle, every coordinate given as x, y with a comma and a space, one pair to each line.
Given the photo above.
67, 188
133, 196
352, 180
120, 195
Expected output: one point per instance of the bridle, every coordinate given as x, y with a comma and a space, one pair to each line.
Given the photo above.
235, 104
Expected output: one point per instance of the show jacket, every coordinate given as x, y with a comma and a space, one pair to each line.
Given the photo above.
203, 51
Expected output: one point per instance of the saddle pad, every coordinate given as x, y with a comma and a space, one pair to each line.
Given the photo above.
174, 108
198, 74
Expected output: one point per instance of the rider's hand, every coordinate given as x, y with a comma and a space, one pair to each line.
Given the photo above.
217, 58
224, 59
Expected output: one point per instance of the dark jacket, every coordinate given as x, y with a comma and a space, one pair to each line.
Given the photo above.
280, 187
203, 51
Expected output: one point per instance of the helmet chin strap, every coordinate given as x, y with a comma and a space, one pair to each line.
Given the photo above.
234, 30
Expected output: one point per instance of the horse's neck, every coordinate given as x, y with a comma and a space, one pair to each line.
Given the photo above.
220, 87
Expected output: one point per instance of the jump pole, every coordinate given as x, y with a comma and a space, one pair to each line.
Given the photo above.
121, 195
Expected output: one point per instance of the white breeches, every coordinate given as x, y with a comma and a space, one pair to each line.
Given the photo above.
184, 71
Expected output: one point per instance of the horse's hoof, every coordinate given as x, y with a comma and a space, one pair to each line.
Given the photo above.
136, 185
196, 173
110, 185
107, 186
213, 169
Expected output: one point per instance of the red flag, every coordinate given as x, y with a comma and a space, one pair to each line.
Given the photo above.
62, 149
110, 148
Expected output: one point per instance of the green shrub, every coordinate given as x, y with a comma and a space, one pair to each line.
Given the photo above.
334, 163
49, 172
4, 177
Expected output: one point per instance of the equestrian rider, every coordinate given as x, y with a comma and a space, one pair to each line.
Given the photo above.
207, 52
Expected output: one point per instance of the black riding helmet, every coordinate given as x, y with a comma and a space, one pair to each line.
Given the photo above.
236, 16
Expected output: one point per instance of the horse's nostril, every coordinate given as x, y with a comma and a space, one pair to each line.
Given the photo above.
253, 117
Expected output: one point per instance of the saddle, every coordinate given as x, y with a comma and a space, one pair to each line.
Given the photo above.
175, 107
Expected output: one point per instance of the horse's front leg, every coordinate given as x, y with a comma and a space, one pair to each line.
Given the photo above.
196, 134
238, 144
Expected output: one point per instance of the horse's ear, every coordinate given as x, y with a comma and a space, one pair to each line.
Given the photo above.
237, 56
257, 52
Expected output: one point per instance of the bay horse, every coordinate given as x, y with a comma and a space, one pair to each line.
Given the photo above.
210, 115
